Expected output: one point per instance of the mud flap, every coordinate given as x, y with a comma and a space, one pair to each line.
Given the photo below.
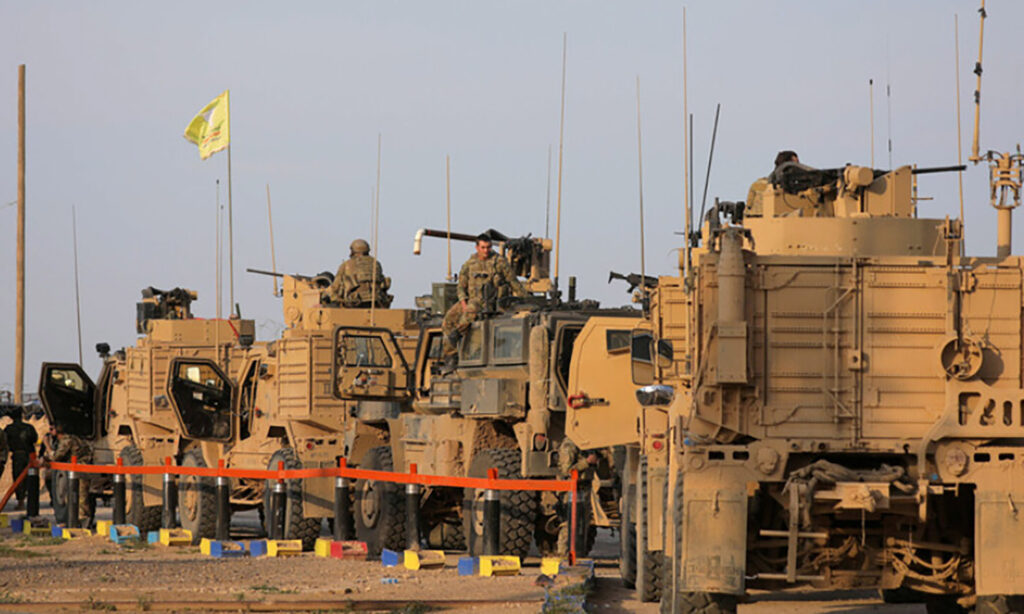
318, 495
152, 490
656, 506
714, 528
998, 530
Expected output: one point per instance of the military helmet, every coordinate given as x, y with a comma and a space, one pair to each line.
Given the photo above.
359, 246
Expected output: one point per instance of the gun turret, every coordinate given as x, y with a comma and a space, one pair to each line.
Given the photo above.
159, 304
634, 280
529, 256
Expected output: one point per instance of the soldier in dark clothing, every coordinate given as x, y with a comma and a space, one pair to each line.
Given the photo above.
21, 439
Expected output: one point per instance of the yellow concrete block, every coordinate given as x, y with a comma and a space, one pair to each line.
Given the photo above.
204, 546
499, 566
322, 547
424, 559
103, 527
175, 537
284, 547
41, 529
75, 533
5, 521
550, 565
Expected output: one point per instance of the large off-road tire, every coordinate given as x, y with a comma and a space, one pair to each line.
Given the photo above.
999, 604
296, 526
197, 499
627, 534
901, 595
649, 565
518, 508
147, 518
379, 508
670, 603
57, 484
705, 603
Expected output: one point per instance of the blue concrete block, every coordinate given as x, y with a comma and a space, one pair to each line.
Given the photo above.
121, 533
57, 530
227, 550
17, 525
258, 547
153, 537
390, 558
469, 566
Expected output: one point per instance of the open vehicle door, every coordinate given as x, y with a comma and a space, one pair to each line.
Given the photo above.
368, 364
69, 398
201, 396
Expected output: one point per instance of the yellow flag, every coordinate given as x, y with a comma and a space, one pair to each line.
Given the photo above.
210, 128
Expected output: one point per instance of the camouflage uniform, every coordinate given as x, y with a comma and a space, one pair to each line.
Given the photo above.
571, 457
479, 281
73, 445
353, 284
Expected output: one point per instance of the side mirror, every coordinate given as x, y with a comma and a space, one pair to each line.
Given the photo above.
655, 395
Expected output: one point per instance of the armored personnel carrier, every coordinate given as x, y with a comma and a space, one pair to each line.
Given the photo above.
280, 408
841, 393
503, 407
127, 412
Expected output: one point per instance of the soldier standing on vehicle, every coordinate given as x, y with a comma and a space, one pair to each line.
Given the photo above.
485, 277
21, 438
64, 447
353, 286
757, 189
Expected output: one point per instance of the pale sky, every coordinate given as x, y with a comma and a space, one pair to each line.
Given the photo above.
112, 85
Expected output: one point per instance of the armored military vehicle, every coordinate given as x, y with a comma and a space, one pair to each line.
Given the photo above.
841, 393
503, 407
127, 413
279, 408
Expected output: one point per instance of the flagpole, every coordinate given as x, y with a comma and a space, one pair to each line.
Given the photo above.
231, 243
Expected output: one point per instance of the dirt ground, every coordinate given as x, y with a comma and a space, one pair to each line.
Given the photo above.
92, 574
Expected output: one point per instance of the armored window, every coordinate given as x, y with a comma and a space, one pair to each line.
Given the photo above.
508, 343
472, 351
68, 380
617, 340
364, 351
202, 397
567, 339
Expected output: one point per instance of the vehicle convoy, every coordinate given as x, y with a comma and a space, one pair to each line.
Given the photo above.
844, 399
126, 413
502, 407
279, 408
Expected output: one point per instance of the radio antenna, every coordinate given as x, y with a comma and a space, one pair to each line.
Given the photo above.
376, 247
561, 140
273, 257
959, 138
687, 162
711, 156
640, 177
448, 208
547, 206
888, 102
220, 254
78, 301
975, 155
871, 113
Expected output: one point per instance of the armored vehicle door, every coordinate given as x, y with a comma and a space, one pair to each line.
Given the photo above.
368, 364
69, 398
566, 334
201, 395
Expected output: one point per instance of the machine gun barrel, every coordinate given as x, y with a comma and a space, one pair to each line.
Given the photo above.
938, 169
417, 242
634, 280
262, 272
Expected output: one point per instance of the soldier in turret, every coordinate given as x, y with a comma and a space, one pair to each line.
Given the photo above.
483, 279
353, 286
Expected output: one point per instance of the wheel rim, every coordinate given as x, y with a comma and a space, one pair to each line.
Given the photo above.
477, 517
369, 504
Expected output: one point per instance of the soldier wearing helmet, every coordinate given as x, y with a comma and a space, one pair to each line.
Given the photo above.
353, 286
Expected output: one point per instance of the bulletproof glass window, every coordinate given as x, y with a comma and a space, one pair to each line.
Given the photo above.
566, 341
202, 397
247, 400
364, 351
69, 396
473, 343
642, 357
508, 343
617, 340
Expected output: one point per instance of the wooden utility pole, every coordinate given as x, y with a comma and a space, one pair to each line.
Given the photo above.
19, 336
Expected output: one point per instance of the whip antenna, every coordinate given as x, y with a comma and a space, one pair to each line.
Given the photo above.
975, 155
561, 140
640, 177
711, 156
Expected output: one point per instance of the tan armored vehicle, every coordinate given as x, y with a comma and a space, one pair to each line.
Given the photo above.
843, 395
280, 408
126, 413
503, 408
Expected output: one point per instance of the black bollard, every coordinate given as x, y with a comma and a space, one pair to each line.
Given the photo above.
72, 501
223, 508
343, 525
277, 511
32, 492
167, 521
119, 499
412, 515
492, 522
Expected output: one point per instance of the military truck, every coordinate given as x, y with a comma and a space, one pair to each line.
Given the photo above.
127, 412
279, 408
841, 393
503, 407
